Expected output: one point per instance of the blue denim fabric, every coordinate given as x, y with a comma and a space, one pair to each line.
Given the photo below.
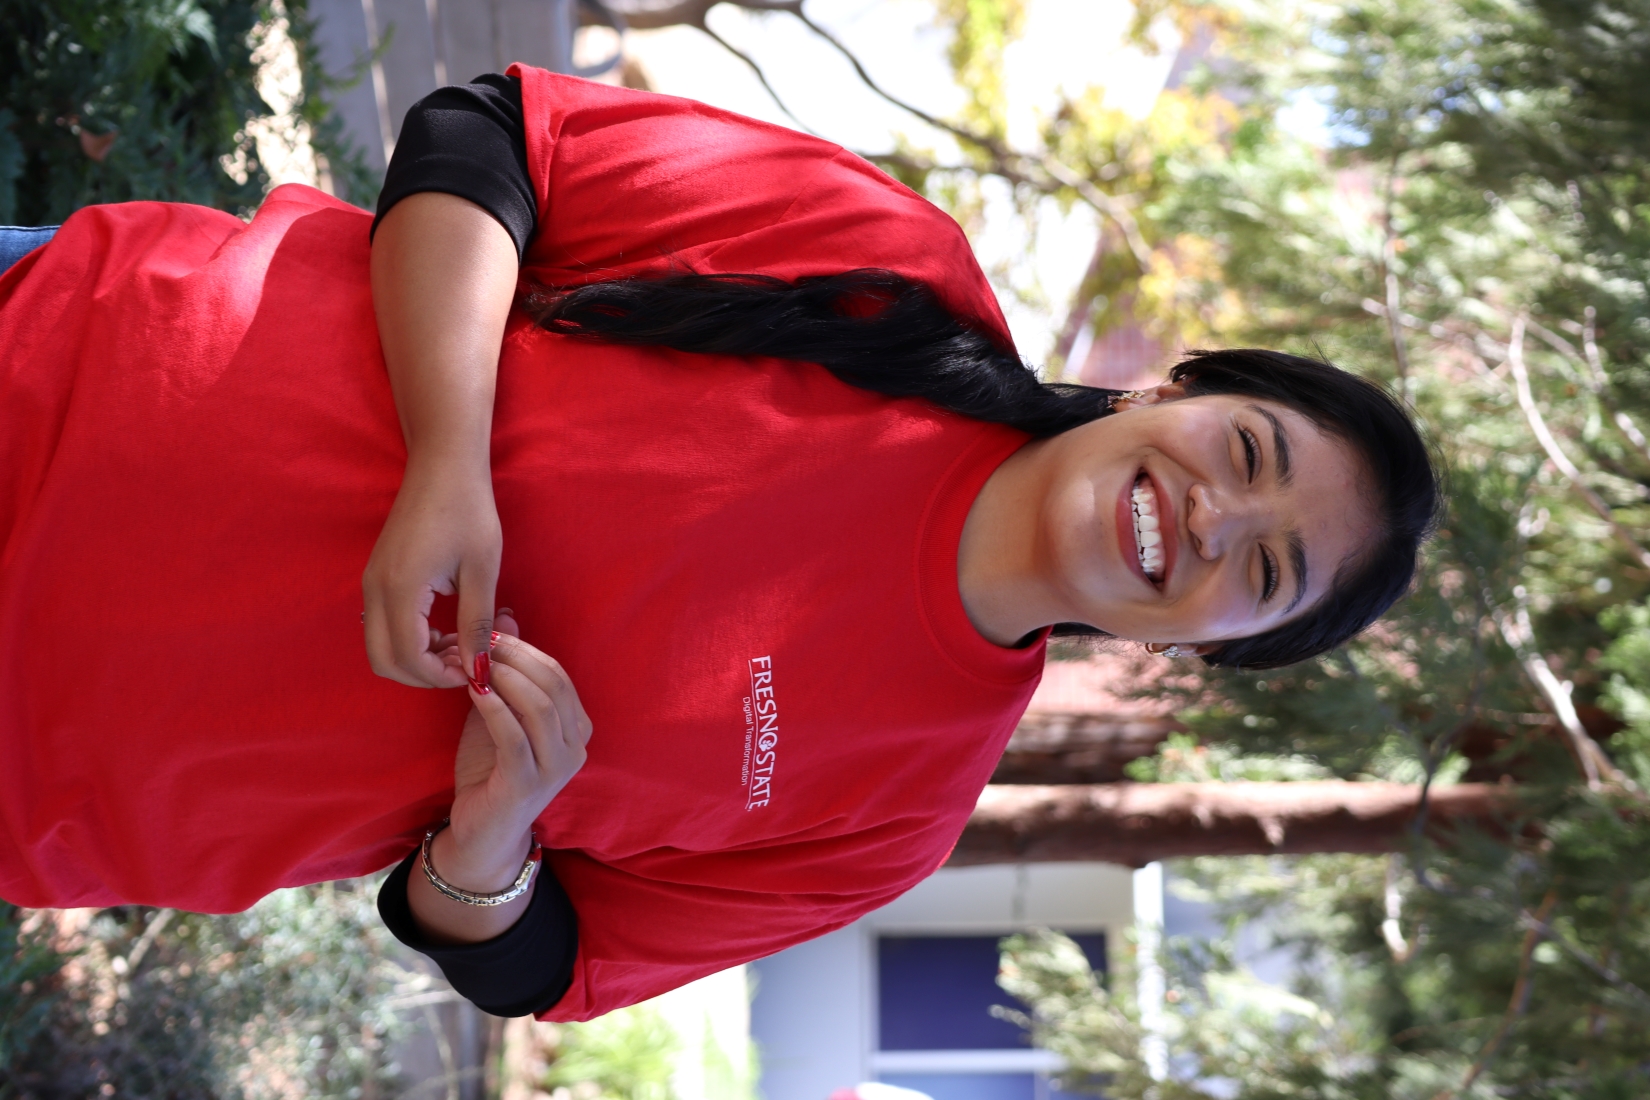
18, 241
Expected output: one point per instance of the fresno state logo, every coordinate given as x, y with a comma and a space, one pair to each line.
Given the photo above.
761, 734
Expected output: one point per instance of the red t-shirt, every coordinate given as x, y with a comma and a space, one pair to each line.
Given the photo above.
747, 567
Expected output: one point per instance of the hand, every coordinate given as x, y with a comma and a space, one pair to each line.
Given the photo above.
442, 535
522, 743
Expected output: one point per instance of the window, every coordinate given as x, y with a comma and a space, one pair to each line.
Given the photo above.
936, 1033
936, 992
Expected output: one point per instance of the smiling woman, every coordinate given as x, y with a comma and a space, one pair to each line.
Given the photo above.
732, 421
1258, 471
1189, 520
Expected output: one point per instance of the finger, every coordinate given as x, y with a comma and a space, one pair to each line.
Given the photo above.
477, 582
407, 622
504, 622
535, 711
515, 751
383, 653
551, 678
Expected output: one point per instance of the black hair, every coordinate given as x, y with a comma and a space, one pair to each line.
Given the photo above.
883, 332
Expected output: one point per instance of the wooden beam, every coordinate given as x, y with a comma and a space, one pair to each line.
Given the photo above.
1053, 748
1136, 823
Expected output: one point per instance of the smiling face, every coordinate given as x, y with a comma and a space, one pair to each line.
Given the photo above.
1198, 519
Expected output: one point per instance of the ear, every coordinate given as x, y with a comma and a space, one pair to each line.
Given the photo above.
1183, 649
1140, 399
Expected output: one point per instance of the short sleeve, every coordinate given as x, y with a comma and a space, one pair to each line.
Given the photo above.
657, 920
630, 182
466, 140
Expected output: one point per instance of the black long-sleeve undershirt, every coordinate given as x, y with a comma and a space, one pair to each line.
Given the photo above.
523, 971
470, 140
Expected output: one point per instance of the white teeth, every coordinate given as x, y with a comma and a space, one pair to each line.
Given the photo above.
1146, 534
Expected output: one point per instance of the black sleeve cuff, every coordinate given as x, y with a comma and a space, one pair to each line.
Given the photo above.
519, 973
468, 140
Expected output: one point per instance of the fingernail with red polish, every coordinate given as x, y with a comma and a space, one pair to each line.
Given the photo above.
480, 679
496, 637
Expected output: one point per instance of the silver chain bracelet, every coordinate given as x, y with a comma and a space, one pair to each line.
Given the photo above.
511, 893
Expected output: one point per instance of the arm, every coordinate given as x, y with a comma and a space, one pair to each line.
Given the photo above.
523, 741
443, 279
456, 211
521, 744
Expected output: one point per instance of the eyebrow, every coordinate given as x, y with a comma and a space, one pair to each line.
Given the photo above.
1297, 558
1297, 546
1280, 445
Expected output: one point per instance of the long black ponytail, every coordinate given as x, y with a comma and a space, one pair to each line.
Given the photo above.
882, 332
872, 329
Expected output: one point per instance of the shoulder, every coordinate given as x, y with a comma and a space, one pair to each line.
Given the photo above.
677, 182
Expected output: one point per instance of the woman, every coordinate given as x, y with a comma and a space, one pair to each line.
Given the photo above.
803, 607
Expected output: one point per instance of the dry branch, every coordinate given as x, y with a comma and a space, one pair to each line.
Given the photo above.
1038, 170
1136, 823
1544, 436
1516, 1006
1596, 765
646, 15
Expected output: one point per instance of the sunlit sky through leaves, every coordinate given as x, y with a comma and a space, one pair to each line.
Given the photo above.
1067, 44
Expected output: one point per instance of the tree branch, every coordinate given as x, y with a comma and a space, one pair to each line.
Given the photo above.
1526, 919
1389, 256
982, 141
1010, 163
1392, 928
1601, 384
1544, 436
647, 15
1519, 634
1516, 1006
157, 924
761, 76
1107, 205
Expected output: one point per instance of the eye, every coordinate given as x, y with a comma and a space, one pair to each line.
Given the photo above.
1269, 575
1251, 451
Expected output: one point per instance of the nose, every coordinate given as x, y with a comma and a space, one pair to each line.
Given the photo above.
1217, 520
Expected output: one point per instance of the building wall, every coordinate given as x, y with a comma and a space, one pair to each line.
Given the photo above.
401, 50
814, 1015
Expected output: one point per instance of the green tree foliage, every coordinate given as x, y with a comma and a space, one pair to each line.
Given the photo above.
296, 996
1471, 230
114, 100
170, 83
27, 963
625, 1055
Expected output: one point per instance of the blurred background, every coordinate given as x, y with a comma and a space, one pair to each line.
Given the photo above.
1415, 868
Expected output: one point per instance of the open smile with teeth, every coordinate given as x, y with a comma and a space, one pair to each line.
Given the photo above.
1146, 534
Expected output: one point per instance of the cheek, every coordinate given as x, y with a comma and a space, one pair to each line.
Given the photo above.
1220, 610
1077, 528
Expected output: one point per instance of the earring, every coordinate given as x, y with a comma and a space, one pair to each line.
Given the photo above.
1170, 651
1127, 395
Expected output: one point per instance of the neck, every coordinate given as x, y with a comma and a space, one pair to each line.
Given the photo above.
1003, 589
